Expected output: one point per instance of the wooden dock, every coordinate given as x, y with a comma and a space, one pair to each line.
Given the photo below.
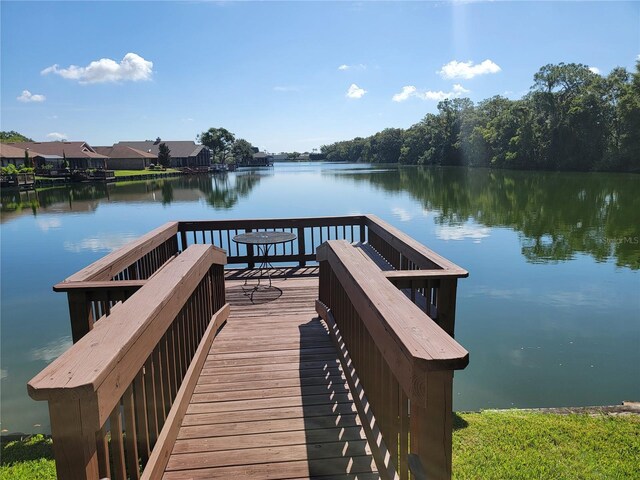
272, 400
340, 366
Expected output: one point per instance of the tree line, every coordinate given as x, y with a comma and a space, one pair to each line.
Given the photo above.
225, 147
571, 119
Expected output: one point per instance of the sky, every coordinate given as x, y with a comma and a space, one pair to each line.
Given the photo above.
286, 76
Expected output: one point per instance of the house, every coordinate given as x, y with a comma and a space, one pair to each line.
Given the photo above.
184, 153
126, 158
261, 159
14, 155
79, 155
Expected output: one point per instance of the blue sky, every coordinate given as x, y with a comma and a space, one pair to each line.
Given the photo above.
270, 71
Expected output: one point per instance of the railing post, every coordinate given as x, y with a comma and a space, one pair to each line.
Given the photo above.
432, 424
250, 254
446, 303
301, 247
74, 447
80, 314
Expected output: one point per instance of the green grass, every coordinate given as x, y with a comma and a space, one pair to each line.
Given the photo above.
488, 445
527, 445
124, 173
30, 459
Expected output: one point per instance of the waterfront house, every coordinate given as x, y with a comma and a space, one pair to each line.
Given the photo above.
80, 155
261, 159
10, 154
127, 158
184, 153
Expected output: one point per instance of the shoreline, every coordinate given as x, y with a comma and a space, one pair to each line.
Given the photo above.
625, 408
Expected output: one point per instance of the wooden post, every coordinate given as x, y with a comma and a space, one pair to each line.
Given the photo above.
432, 425
80, 314
301, 247
250, 254
183, 240
446, 304
74, 445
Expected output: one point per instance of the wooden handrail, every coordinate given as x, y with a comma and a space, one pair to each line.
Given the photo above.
112, 264
411, 249
325, 221
98, 285
403, 360
139, 357
400, 323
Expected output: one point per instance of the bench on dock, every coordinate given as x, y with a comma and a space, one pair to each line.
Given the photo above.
344, 369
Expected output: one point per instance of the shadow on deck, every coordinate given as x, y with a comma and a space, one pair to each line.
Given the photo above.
272, 400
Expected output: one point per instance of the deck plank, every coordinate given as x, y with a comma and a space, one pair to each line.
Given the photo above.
272, 400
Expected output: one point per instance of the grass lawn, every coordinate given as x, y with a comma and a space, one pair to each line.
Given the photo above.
519, 445
124, 173
487, 445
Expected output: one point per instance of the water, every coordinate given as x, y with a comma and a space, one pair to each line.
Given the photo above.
550, 313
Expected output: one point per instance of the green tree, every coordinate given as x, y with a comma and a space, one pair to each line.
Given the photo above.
13, 136
164, 155
219, 141
572, 119
242, 151
27, 159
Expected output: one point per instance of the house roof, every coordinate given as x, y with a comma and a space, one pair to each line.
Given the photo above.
64, 149
121, 152
10, 151
261, 155
178, 148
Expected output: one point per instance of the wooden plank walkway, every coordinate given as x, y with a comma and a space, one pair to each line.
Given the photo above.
272, 401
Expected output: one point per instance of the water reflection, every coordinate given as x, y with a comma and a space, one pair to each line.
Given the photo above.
51, 350
557, 214
220, 192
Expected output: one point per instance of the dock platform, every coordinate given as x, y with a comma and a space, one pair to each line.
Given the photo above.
340, 366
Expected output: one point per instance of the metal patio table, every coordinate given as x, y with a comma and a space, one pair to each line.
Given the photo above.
264, 241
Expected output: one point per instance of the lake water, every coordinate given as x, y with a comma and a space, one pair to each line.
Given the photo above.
550, 312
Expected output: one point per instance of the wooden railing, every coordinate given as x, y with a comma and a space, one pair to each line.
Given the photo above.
116, 398
95, 289
396, 354
310, 233
427, 278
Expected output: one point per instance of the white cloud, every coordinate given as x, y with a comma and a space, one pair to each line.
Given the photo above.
402, 214
467, 70
460, 232
132, 68
595, 70
51, 350
46, 224
411, 91
360, 66
406, 92
286, 88
27, 96
100, 243
355, 91
57, 136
